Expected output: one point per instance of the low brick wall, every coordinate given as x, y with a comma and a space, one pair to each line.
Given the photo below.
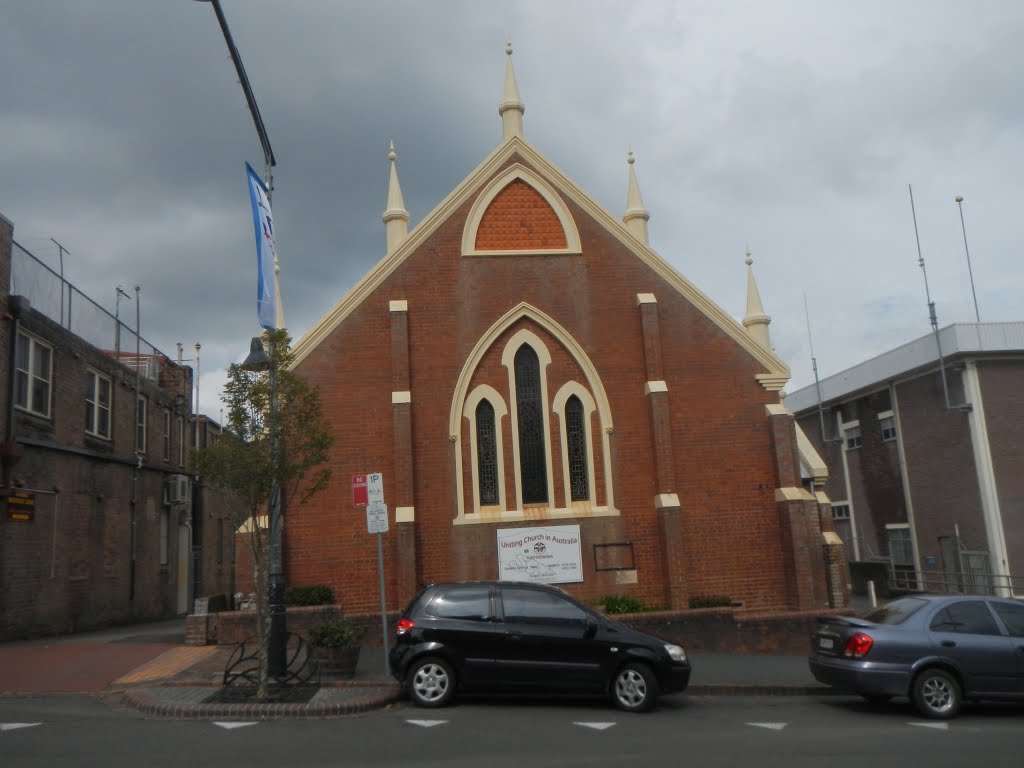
708, 630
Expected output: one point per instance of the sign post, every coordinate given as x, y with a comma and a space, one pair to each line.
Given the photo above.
370, 490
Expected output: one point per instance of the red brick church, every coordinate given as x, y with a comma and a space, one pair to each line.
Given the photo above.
548, 399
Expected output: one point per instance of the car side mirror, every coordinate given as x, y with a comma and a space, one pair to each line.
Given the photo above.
591, 628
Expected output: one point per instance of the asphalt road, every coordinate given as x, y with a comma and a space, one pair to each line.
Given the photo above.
832, 731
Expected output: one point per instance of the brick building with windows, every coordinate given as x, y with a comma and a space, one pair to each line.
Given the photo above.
547, 398
925, 456
102, 523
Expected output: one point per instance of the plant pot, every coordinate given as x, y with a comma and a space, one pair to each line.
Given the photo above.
337, 663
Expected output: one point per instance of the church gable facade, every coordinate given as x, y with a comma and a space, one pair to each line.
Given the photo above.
522, 361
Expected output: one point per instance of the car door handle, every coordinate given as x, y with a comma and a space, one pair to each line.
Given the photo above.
949, 643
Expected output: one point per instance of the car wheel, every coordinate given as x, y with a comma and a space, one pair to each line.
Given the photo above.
936, 694
635, 688
431, 682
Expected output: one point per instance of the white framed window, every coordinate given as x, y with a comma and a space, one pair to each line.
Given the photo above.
97, 403
141, 409
887, 422
851, 434
901, 548
165, 438
841, 511
33, 371
181, 441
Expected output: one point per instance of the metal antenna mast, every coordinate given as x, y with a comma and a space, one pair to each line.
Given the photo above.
817, 383
931, 309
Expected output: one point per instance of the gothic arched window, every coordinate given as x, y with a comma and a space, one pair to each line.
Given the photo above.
486, 454
576, 436
532, 462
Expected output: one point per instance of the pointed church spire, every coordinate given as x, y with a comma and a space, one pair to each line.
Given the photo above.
396, 218
636, 216
511, 108
756, 321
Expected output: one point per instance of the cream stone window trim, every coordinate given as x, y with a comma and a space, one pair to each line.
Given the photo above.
490, 394
398, 305
651, 387
486, 197
645, 298
401, 397
566, 391
534, 513
405, 514
592, 382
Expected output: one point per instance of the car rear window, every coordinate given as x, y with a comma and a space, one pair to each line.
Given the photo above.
1012, 615
897, 611
469, 603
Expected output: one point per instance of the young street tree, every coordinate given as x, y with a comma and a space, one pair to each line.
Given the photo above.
275, 439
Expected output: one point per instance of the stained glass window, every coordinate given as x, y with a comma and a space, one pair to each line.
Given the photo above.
486, 454
576, 436
532, 463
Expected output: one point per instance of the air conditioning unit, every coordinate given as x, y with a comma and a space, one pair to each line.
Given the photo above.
176, 489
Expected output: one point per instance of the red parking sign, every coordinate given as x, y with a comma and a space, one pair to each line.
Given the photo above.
359, 495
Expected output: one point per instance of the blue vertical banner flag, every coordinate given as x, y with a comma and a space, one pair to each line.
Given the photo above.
266, 250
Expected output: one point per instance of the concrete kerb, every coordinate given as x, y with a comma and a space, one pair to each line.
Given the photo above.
187, 701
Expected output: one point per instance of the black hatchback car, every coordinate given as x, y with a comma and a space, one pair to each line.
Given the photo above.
527, 638
937, 650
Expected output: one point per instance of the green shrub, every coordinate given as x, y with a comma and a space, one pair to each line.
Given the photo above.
710, 602
622, 604
312, 594
336, 633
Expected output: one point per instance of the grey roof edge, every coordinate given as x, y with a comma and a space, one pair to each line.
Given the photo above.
956, 340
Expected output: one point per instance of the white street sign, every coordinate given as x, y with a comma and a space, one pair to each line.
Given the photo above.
377, 516
375, 487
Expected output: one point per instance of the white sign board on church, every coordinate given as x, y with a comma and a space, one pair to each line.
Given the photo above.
549, 555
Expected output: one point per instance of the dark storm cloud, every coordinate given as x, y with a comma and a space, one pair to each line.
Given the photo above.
794, 127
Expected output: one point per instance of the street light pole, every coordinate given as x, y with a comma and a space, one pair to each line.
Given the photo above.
258, 360
277, 643
250, 98
959, 204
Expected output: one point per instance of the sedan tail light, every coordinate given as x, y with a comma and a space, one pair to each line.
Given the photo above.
858, 646
404, 625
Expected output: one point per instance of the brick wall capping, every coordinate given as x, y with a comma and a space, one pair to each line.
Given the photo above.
793, 494
777, 409
405, 514
651, 387
666, 501
398, 305
646, 298
831, 537
401, 397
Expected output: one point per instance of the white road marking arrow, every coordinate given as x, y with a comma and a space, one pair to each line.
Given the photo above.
770, 726
936, 726
427, 723
596, 726
232, 726
16, 726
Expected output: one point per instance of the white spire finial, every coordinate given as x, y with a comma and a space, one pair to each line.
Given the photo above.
636, 215
511, 107
396, 218
756, 321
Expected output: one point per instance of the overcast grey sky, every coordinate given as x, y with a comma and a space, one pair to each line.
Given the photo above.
792, 126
